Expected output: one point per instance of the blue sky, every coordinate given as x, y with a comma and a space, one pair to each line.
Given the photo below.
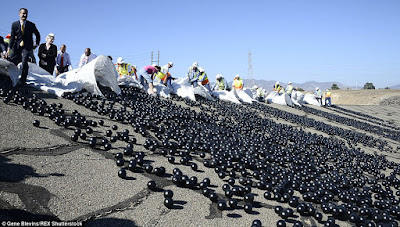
348, 41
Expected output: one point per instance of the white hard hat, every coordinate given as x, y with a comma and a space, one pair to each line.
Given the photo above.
277, 82
134, 66
195, 64
316, 88
154, 65
255, 87
201, 69
327, 89
120, 60
219, 76
171, 63
290, 82
237, 75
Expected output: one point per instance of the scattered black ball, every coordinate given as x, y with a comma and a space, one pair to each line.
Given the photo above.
248, 208
221, 205
152, 185
122, 173
168, 194
169, 202
36, 123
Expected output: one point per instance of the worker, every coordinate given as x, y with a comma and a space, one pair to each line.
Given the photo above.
277, 87
202, 79
134, 71
259, 94
237, 83
146, 76
289, 89
328, 95
220, 84
318, 95
7, 43
193, 71
123, 69
164, 76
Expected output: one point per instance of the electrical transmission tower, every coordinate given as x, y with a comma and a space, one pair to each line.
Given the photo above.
250, 75
158, 58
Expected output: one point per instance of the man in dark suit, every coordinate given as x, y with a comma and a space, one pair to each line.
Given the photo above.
21, 42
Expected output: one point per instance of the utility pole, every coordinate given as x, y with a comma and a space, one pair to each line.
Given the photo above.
158, 58
250, 70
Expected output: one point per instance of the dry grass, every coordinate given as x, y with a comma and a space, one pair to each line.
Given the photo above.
362, 97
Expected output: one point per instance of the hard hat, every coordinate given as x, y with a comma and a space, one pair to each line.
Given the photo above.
316, 88
154, 65
201, 69
237, 76
8, 36
195, 64
327, 89
255, 87
277, 82
290, 82
171, 63
134, 66
120, 60
219, 76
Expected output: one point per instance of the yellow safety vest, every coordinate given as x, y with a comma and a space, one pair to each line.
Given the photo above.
277, 87
289, 89
328, 94
205, 80
162, 76
123, 69
238, 84
221, 84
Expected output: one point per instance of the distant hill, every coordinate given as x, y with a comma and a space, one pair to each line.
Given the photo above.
307, 86
395, 86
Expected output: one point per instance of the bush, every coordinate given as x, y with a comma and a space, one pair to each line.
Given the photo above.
335, 87
369, 86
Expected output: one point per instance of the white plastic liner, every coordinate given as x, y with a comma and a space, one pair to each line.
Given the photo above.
128, 81
297, 98
101, 70
204, 92
183, 88
226, 96
242, 96
281, 99
310, 99
250, 93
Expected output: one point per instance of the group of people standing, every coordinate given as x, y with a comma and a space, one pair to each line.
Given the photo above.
318, 95
18, 47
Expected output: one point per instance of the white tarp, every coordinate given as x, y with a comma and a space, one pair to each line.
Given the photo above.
252, 94
242, 96
128, 81
203, 92
226, 96
183, 88
297, 98
281, 99
101, 70
310, 99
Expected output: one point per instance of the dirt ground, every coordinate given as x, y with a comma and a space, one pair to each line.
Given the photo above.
363, 97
